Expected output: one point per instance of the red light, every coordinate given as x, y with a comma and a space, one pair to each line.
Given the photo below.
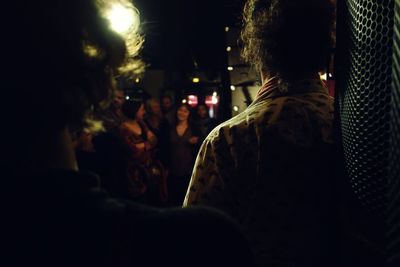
211, 100
193, 100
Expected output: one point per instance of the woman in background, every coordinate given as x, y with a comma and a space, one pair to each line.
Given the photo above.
145, 174
184, 140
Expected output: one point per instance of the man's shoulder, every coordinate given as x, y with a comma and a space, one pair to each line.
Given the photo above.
252, 117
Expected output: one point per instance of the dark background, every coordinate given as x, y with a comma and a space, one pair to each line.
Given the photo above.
187, 34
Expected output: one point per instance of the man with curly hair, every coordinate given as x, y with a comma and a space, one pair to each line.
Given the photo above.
61, 58
268, 166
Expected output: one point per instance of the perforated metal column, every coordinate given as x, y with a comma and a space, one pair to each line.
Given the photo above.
394, 178
365, 100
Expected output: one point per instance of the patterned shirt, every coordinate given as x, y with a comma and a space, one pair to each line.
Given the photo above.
266, 167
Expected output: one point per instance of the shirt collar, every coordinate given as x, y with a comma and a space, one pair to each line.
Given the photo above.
274, 87
269, 85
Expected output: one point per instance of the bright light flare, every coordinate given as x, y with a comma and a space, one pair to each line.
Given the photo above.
214, 100
196, 80
230, 68
192, 100
323, 76
228, 49
235, 108
122, 19
233, 88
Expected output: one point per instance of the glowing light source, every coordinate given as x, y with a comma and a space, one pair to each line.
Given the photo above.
227, 29
212, 100
127, 97
235, 108
228, 49
192, 100
137, 80
323, 76
230, 68
233, 88
214, 94
196, 80
184, 101
330, 75
122, 19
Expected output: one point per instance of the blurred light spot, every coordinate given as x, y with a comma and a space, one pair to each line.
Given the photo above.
122, 19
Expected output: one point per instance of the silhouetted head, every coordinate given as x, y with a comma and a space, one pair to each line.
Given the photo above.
153, 107
166, 103
62, 57
202, 111
134, 109
288, 38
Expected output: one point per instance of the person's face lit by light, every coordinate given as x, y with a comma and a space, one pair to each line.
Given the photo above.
119, 98
183, 114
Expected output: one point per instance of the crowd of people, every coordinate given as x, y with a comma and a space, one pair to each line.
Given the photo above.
75, 195
146, 149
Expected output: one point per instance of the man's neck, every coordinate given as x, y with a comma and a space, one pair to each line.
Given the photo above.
265, 76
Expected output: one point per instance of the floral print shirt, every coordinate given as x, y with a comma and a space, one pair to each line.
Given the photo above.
265, 167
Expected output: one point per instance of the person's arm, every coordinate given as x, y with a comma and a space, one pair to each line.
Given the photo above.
207, 186
130, 139
151, 141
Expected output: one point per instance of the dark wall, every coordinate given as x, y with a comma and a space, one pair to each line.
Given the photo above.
179, 32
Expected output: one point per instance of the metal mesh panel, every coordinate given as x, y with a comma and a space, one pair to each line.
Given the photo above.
394, 178
365, 101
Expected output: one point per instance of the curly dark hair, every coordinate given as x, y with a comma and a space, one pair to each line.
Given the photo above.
61, 57
287, 37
